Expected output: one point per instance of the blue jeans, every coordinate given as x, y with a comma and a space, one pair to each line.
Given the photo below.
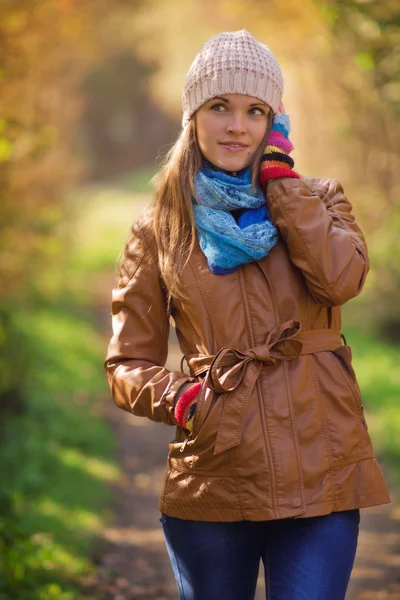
304, 559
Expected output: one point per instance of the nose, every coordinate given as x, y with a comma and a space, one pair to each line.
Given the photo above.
237, 123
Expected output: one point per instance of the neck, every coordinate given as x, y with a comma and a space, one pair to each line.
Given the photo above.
231, 173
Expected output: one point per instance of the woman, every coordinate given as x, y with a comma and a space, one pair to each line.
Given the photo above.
271, 458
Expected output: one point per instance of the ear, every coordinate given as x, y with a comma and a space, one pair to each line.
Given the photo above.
281, 109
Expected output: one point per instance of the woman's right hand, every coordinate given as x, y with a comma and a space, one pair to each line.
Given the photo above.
182, 390
185, 404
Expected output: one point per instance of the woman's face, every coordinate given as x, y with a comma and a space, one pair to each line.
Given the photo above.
227, 120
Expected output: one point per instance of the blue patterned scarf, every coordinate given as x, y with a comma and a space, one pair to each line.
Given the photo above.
226, 243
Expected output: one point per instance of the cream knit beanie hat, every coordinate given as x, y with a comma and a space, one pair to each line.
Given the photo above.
232, 62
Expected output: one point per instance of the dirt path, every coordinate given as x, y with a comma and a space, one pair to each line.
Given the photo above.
133, 562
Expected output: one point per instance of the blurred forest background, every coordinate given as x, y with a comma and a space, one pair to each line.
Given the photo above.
90, 96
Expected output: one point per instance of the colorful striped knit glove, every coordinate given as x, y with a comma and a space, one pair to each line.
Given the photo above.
276, 161
185, 407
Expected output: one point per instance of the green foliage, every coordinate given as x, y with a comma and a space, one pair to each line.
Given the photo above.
369, 33
55, 459
56, 452
365, 61
55, 449
376, 365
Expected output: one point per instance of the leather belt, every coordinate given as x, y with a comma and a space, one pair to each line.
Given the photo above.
285, 342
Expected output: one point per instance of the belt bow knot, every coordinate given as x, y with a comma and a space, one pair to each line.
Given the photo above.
285, 342
282, 343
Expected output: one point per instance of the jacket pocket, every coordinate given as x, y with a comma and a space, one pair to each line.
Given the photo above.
205, 403
195, 450
341, 408
343, 357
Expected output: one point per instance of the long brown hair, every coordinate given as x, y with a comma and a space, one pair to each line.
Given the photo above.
174, 187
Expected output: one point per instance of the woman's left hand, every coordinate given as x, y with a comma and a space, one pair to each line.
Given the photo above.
276, 160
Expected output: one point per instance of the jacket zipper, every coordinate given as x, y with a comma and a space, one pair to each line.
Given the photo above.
364, 422
252, 342
296, 441
184, 443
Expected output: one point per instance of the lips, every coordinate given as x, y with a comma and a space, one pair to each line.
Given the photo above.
234, 144
234, 147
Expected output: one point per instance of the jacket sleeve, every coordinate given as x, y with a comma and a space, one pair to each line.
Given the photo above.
137, 352
322, 238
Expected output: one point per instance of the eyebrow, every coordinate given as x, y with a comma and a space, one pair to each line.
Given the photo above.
226, 100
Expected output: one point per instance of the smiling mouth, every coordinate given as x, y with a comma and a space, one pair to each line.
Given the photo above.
234, 147
234, 144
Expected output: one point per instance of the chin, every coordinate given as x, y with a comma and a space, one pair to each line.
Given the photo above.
232, 165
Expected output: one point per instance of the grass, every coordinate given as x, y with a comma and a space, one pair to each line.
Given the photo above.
58, 455
376, 363
56, 458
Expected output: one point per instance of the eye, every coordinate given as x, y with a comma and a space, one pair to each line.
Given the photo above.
216, 106
260, 109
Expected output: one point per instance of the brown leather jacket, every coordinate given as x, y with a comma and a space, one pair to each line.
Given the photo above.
279, 429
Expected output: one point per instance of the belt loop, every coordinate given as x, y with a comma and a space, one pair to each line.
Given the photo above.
182, 359
344, 339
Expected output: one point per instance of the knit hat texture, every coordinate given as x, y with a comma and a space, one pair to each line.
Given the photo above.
232, 62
